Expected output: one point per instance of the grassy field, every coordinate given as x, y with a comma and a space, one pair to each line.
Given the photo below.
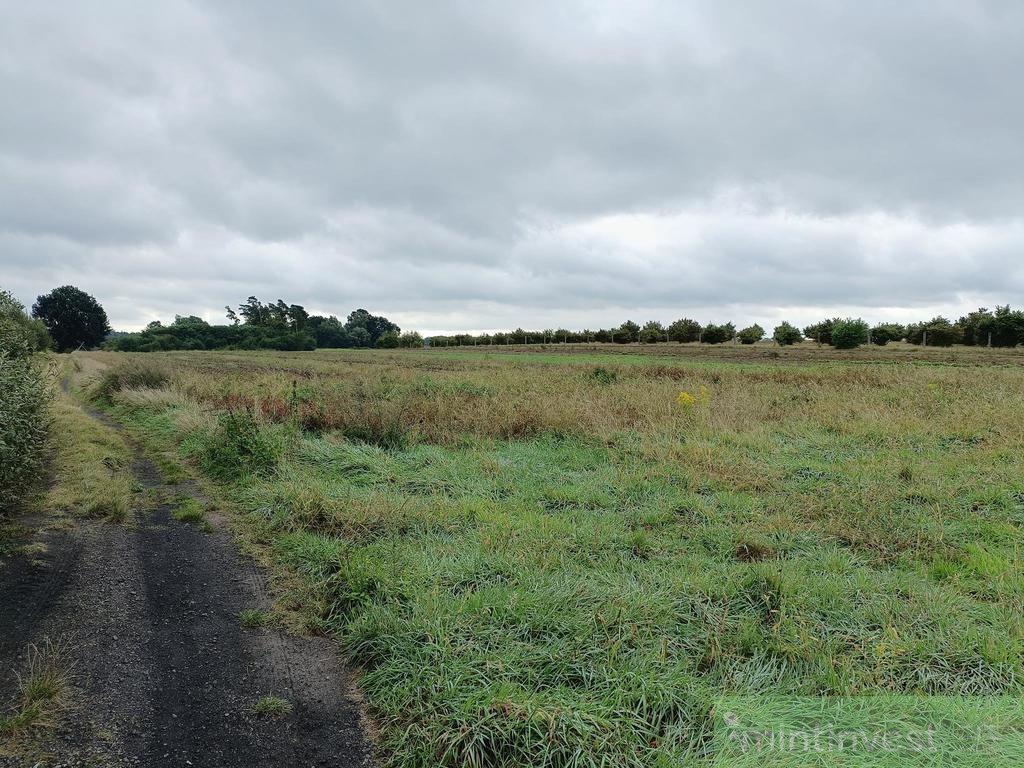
556, 557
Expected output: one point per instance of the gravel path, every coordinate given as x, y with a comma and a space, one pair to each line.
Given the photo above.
165, 675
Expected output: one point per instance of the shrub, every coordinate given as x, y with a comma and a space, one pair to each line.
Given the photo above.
410, 339
717, 334
821, 332
652, 332
849, 333
389, 340
24, 396
751, 334
19, 335
23, 428
238, 447
685, 330
786, 334
886, 332
626, 333
1003, 328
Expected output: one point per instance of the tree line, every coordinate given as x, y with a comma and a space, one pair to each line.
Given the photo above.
1000, 328
68, 318
277, 325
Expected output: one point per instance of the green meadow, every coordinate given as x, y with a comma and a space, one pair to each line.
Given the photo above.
569, 559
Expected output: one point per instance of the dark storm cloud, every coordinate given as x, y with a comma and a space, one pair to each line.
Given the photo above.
477, 165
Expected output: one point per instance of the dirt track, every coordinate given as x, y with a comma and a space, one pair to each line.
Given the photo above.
165, 675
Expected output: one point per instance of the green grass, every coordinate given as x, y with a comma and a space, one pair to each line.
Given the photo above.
92, 473
557, 567
189, 510
11, 535
867, 731
272, 707
43, 689
251, 618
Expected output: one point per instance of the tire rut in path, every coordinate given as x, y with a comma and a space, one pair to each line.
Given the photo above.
164, 668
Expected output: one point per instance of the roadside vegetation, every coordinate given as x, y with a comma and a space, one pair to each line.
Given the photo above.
41, 426
43, 692
25, 396
91, 466
567, 560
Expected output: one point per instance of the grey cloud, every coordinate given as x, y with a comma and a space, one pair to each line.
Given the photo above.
463, 162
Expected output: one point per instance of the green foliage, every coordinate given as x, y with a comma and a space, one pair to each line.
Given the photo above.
883, 333
24, 397
24, 421
389, 340
652, 332
752, 334
375, 326
786, 334
19, 335
239, 447
280, 326
411, 340
193, 333
849, 333
821, 332
684, 331
73, 318
627, 333
938, 332
717, 334
1002, 328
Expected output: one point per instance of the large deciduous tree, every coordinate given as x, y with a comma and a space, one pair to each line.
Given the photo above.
73, 318
374, 325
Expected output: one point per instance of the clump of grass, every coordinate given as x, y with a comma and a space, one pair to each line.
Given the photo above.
272, 707
92, 475
253, 618
34, 549
10, 534
239, 446
42, 691
132, 375
171, 470
148, 398
189, 510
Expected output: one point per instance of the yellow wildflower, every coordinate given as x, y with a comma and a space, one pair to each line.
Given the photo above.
686, 400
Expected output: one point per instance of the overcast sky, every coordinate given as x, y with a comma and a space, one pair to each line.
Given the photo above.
480, 165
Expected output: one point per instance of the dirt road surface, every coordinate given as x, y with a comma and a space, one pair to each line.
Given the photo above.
164, 672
